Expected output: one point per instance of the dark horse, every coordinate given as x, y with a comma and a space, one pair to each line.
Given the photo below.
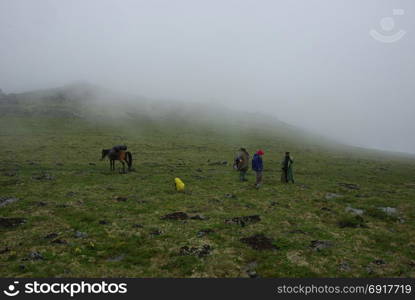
118, 153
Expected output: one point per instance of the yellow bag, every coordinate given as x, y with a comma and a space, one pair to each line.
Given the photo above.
179, 184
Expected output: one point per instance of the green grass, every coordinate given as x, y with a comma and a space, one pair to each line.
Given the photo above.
80, 195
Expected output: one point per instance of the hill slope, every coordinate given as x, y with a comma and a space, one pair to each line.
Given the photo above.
350, 213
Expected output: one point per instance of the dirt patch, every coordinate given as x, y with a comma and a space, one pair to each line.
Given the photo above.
175, 216
156, 232
259, 242
11, 222
202, 251
352, 222
244, 220
51, 235
297, 231
59, 241
230, 196
121, 199
43, 176
4, 250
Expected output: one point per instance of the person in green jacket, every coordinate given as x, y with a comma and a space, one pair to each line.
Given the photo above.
242, 163
287, 169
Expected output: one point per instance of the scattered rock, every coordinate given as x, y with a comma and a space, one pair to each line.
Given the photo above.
230, 196
35, 256
80, 234
11, 222
273, 203
326, 209
138, 226
175, 216
103, 222
259, 242
244, 220
22, 267
250, 270
379, 262
70, 194
204, 232
390, 211
116, 258
330, 196
51, 235
121, 199
92, 164
196, 251
345, 267
41, 203
59, 241
5, 201
320, 245
354, 211
252, 274
304, 187
199, 170
350, 186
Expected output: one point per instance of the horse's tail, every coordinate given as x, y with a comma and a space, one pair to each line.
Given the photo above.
129, 159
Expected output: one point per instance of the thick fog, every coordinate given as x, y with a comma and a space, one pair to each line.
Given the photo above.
313, 64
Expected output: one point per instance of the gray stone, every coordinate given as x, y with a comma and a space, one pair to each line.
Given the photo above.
388, 210
330, 196
80, 234
5, 200
354, 211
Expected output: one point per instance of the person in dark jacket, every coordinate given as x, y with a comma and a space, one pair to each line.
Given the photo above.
287, 169
258, 167
242, 163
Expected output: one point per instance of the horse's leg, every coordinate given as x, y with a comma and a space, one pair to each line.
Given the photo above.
123, 166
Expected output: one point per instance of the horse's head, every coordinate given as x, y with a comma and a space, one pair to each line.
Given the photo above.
104, 153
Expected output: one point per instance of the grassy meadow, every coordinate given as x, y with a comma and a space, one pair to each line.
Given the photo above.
81, 219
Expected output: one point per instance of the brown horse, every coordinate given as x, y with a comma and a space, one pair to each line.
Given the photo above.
120, 155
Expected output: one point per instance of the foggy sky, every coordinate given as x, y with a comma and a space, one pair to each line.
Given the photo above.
310, 63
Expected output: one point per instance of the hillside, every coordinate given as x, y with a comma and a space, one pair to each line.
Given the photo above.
64, 214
